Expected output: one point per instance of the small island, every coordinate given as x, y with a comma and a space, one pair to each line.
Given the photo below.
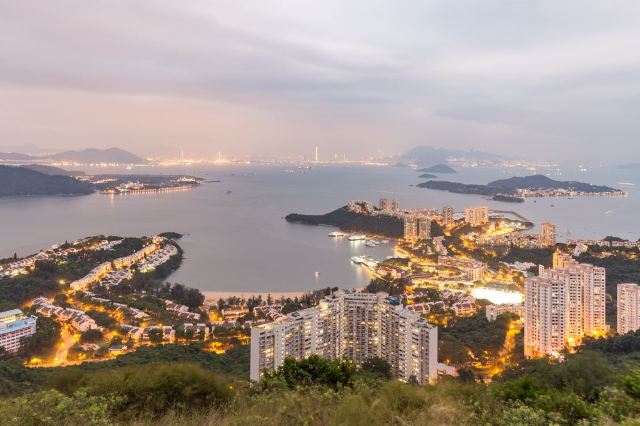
438, 168
516, 188
428, 176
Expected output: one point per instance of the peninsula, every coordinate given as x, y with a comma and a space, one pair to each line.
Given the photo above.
39, 180
523, 187
349, 221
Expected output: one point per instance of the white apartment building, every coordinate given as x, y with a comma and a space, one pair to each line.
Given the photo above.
476, 216
447, 215
424, 228
410, 227
14, 326
492, 311
562, 306
628, 308
352, 326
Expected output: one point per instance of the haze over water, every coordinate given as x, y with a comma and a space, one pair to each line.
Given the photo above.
240, 241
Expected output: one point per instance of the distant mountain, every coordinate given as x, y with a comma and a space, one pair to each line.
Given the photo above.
21, 181
92, 155
85, 156
427, 156
629, 166
15, 156
438, 168
53, 171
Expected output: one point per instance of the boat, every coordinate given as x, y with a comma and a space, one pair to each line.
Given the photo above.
370, 244
357, 260
336, 234
384, 242
357, 238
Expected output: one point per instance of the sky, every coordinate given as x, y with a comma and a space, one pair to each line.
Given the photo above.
554, 80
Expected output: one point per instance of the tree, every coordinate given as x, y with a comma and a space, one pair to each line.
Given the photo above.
103, 319
312, 371
91, 336
378, 366
60, 299
466, 375
42, 343
155, 335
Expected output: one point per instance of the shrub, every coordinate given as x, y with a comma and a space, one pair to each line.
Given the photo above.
157, 388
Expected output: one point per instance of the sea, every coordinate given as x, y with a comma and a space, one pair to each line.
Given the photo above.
236, 238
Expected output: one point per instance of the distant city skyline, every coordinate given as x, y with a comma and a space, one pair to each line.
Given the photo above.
546, 80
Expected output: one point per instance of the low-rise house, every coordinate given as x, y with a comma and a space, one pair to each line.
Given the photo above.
464, 309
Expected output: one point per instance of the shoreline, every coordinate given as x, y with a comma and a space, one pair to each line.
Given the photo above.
213, 296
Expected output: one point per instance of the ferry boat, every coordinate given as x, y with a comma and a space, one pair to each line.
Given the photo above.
357, 238
336, 234
371, 244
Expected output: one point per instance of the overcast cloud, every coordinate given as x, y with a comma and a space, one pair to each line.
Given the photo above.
551, 79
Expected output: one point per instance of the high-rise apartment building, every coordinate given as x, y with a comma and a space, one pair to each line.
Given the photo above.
476, 216
424, 228
562, 305
14, 326
417, 227
561, 260
352, 326
447, 215
548, 235
410, 227
628, 314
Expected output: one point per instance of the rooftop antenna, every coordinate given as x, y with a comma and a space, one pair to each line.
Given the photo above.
316, 154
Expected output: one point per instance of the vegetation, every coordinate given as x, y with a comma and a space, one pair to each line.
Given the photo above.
587, 388
467, 339
42, 343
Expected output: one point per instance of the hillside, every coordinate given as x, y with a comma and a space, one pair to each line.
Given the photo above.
600, 386
15, 156
629, 166
53, 171
85, 156
425, 156
111, 155
22, 181
388, 226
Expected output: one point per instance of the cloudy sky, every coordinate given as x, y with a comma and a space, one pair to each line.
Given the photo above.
551, 79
